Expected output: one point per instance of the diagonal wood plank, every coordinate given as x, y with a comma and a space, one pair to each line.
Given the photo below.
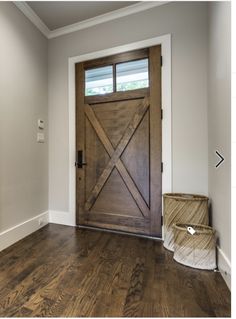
133, 188
115, 157
129, 132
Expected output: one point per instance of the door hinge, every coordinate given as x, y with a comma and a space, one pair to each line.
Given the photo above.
161, 220
161, 114
162, 167
161, 60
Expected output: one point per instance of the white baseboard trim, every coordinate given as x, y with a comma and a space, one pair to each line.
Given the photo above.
62, 218
224, 266
12, 235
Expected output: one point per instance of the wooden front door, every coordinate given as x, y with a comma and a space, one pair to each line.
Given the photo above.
118, 140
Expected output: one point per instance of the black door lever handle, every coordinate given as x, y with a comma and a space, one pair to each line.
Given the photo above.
79, 160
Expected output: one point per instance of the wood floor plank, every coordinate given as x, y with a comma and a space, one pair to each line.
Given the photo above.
63, 271
93, 279
27, 251
114, 293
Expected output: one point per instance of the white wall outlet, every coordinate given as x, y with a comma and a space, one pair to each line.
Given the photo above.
40, 137
41, 222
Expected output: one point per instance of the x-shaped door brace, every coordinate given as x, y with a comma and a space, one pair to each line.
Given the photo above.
115, 154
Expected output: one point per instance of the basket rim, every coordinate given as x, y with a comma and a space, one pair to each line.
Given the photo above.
186, 196
205, 229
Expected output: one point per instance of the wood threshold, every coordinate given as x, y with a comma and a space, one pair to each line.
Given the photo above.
119, 232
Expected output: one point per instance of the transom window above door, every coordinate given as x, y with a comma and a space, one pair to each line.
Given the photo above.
99, 80
118, 77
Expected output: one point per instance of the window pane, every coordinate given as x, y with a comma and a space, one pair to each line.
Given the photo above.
132, 75
99, 81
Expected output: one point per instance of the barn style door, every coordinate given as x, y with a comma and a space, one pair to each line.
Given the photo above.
118, 140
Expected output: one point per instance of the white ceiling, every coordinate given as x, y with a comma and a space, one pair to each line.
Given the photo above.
57, 14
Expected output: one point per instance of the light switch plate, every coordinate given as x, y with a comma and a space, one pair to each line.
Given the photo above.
40, 137
41, 124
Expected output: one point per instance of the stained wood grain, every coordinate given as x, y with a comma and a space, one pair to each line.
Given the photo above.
155, 143
118, 163
117, 96
80, 142
84, 273
115, 156
117, 58
128, 141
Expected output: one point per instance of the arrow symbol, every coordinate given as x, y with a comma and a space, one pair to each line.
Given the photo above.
221, 159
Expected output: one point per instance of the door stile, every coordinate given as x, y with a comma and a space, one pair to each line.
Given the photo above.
155, 141
80, 140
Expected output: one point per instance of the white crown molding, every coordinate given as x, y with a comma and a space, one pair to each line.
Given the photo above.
32, 16
135, 8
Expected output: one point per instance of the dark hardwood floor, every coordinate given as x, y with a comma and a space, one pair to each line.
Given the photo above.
62, 271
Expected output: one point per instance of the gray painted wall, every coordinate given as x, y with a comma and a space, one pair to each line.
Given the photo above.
219, 120
187, 22
23, 99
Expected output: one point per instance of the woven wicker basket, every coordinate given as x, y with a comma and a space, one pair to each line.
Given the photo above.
197, 250
183, 208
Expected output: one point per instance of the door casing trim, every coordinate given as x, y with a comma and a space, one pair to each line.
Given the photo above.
165, 42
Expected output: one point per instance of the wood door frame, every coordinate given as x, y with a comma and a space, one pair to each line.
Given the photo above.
165, 42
